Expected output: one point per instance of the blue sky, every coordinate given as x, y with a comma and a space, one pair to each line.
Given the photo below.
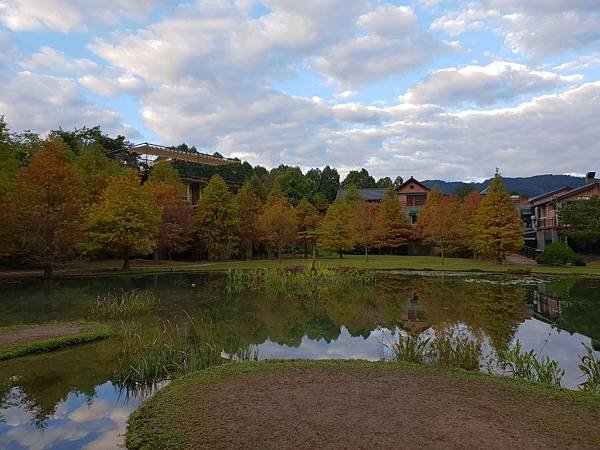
430, 88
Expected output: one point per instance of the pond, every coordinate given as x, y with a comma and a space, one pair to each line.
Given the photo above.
66, 399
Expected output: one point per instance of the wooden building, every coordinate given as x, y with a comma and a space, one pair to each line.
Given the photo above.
545, 208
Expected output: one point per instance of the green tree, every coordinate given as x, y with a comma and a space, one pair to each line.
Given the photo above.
384, 182
336, 231
499, 229
463, 190
94, 171
47, 227
250, 200
352, 196
307, 221
325, 184
361, 179
278, 222
292, 182
127, 219
582, 222
164, 172
218, 219
393, 227
398, 181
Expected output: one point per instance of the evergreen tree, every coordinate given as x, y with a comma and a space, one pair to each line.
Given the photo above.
250, 199
47, 208
352, 196
336, 233
467, 220
127, 219
582, 222
361, 179
278, 222
94, 171
218, 220
385, 182
499, 229
393, 227
164, 172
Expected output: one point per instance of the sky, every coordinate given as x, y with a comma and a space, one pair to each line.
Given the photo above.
430, 88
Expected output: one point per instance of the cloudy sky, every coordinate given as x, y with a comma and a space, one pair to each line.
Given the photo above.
430, 88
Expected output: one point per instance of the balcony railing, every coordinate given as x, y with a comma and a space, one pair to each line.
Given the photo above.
546, 222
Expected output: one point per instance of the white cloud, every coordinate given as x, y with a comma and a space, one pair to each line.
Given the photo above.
533, 28
395, 44
580, 63
42, 103
48, 59
484, 85
67, 15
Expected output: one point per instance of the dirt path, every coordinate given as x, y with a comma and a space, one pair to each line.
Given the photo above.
37, 333
380, 409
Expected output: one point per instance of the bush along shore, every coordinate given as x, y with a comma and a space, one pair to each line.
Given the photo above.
25, 339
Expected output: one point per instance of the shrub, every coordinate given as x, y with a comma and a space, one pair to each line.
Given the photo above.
559, 254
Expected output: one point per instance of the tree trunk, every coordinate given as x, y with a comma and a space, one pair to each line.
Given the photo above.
279, 253
366, 253
48, 272
249, 249
305, 249
126, 260
341, 255
156, 255
313, 266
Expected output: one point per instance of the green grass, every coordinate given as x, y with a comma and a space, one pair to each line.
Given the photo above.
150, 427
94, 332
376, 262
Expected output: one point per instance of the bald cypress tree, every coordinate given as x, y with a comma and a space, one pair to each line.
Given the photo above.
498, 229
393, 228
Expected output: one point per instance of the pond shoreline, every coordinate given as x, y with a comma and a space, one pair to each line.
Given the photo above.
376, 262
342, 403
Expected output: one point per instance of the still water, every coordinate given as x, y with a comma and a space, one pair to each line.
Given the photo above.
65, 399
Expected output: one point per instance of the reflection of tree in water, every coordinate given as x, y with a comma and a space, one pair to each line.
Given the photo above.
574, 304
39, 383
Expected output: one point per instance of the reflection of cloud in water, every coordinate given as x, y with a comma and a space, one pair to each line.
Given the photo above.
344, 347
557, 344
98, 425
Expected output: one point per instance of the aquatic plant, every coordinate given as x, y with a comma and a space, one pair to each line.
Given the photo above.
168, 351
412, 348
456, 349
590, 366
123, 304
528, 366
297, 279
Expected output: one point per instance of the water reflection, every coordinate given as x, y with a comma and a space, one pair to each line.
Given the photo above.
65, 399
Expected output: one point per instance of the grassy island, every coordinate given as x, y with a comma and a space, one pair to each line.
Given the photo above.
360, 404
24, 339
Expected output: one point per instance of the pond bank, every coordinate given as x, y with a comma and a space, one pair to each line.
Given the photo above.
376, 262
24, 339
360, 404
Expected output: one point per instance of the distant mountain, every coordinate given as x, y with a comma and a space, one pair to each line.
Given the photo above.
527, 186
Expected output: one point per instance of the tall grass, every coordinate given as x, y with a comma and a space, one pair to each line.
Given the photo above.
448, 348
590, 366
168, 351
297, 279
527, 366
123, 304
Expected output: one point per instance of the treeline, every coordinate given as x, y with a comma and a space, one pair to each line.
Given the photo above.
79, 194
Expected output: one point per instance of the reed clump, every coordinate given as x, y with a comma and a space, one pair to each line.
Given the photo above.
590, 367
124, 304
170, 350
297, 279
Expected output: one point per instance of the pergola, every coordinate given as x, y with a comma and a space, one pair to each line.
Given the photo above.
172, 153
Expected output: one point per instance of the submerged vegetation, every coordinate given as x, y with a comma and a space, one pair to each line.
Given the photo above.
297, 279
123, 304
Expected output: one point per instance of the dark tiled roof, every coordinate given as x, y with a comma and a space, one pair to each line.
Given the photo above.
549, 194
368, 194
413, 180
583, 188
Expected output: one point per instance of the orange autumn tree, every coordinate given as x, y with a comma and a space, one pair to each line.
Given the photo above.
467, 220
393, 227
307, 221
437, 223
278, 222
178, 223
364, 226
126, 221
47, 227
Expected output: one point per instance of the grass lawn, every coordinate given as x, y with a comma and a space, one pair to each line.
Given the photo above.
383, 262
21, 340
360, 404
